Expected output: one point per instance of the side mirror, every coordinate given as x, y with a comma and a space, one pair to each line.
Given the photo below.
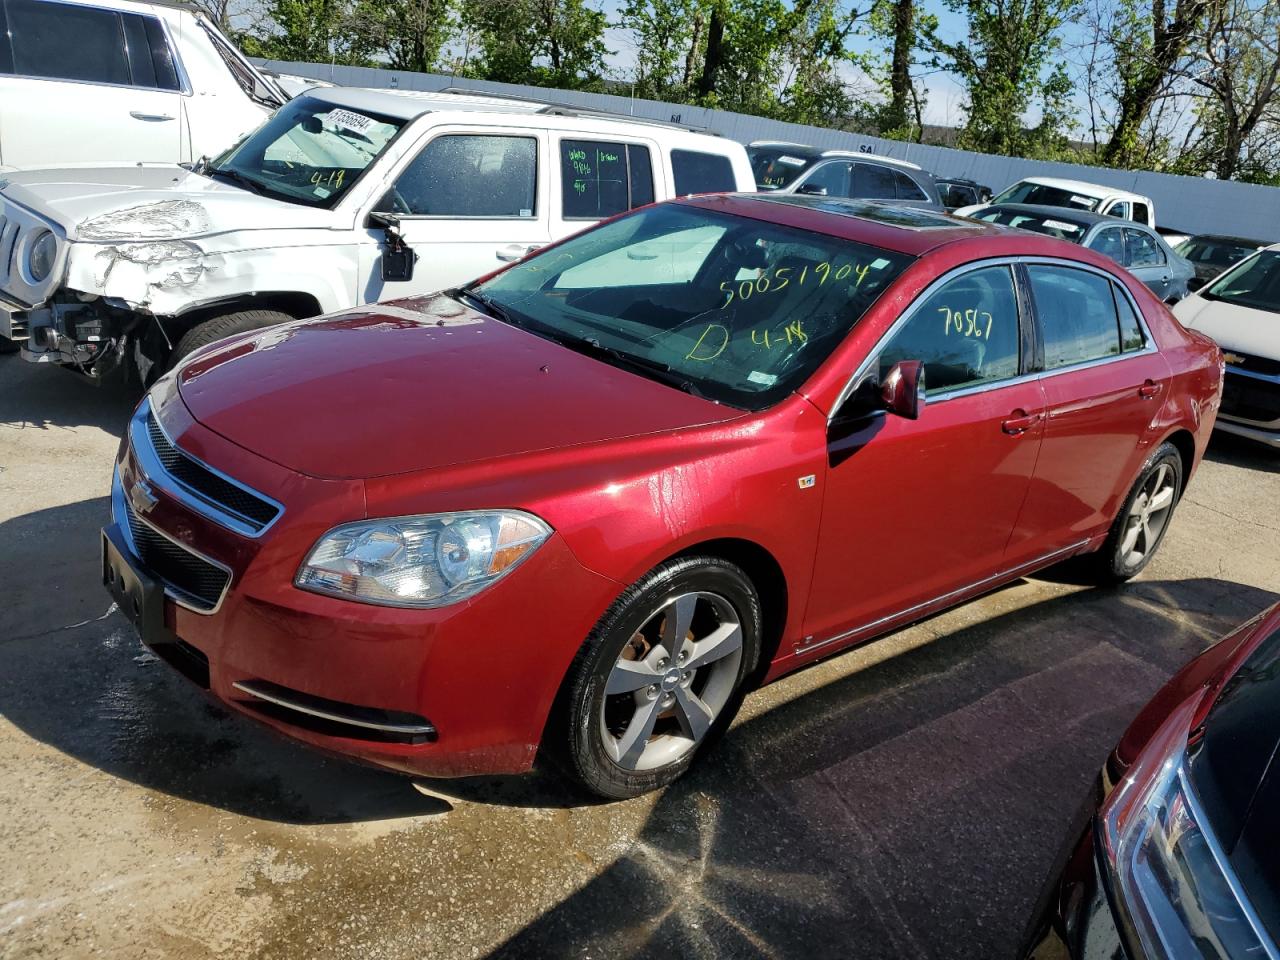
902, 392
811, 190
398, 257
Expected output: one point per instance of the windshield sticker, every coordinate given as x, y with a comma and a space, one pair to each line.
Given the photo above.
967, 323
1059, 225
791, 161
764, 379
1085, 201
347, 120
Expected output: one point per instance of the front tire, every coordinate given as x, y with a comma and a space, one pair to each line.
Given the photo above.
660, 677
1143, 520
219, 328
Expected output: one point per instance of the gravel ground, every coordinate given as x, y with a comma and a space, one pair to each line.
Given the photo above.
906, 799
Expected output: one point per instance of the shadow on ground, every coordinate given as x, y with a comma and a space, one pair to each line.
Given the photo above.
51, 399
1241, 452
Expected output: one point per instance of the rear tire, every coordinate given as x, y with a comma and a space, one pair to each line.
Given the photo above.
633, 717
1143, 520
219, 328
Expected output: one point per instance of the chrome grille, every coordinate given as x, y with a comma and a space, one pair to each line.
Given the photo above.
191, 579
1250, 399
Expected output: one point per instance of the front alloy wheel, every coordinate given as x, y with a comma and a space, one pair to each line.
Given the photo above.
660, 676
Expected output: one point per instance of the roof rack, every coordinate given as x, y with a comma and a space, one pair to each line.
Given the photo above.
552, 108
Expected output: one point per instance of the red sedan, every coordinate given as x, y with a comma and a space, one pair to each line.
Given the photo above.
583, 505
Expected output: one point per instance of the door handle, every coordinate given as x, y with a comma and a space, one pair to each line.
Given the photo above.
1149, 390
150, 117
1020, 422
514, 251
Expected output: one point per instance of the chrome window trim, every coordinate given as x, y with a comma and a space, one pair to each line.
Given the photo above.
964, 391
180, 597
808, 645
418, 729
192, 499
183, 79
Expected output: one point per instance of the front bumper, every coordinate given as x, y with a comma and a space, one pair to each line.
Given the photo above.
451, 691
1251, 405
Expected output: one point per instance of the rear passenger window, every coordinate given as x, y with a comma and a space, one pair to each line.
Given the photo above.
701, 173
874, 182
62, 41
966, 332
908, 189
1140, 213
1077, 313
1109, 243
1131, 336
597, 179
466, 175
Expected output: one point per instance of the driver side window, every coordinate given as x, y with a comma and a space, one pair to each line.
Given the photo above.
966, 332
469, 175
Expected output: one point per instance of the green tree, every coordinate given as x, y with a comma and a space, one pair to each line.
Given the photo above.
668, 36
551, 43
1009, 66
410, 34
312, 31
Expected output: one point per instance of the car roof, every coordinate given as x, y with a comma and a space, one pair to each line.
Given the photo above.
910, 230
814, 153
1082, 187
1081, 217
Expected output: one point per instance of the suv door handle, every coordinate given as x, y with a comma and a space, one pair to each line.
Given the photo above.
1149, 390
139, 115
514, 251
1020, 422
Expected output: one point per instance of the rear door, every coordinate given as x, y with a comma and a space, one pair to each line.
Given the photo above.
82, 84
1104, 384
470, 200
1147, 262
594, 177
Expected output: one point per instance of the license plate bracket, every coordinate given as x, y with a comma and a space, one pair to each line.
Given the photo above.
139, 596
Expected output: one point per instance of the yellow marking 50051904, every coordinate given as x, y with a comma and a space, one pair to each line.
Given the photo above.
783, 277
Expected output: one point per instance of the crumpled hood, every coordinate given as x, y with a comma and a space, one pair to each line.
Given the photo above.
150, 202
415, 385
1233, 327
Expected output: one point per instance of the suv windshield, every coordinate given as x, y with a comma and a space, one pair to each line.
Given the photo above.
1052, 226
734, 309
1023, 192
1254, 282
309, 152
774, 168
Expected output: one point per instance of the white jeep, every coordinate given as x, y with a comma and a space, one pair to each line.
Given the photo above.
121, 81
343, 197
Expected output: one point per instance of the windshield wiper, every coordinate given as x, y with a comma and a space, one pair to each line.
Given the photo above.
487, 304
236, 177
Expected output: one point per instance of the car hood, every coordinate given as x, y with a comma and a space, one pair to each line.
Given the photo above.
150, 202
416, 385
1233, 327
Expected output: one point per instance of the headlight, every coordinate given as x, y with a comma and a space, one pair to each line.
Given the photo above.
426, 561
40, 256
1174, 882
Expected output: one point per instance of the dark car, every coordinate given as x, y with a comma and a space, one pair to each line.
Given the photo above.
1181, 856
1211, 254
793, 168
1134, 246
961, 192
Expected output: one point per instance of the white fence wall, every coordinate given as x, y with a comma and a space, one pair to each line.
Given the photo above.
1188, 203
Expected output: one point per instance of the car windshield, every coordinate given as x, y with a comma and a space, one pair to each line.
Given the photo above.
1214, 253
738, 310
309, 152
1062, 229
1024, 192
775, 168
1254, 282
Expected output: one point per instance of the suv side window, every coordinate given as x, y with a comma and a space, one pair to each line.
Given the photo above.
873, 182
1143, 250
697, 172
966, 332
597, 178
471, 175
908, 189
1109, 243
832, 176
1119, 208
1077, 312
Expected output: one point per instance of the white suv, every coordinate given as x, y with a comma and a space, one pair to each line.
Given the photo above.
117, 81
1075, 195
343, 197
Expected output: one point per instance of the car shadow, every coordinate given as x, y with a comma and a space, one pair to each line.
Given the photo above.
39, 397
1235, 451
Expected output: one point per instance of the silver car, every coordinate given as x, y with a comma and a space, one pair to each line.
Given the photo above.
1134, 246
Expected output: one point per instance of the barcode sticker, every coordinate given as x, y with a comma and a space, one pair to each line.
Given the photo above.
348, 120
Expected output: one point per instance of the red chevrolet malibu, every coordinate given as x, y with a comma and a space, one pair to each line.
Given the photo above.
583, 505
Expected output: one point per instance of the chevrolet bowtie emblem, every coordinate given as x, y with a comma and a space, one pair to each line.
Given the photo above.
141, 497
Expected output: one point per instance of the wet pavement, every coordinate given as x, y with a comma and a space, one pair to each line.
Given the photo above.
906, 799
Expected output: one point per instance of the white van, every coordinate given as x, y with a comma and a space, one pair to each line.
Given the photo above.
343, 197
118, 81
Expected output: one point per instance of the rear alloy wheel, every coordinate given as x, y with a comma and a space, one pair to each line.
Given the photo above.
661, 676
1144, 519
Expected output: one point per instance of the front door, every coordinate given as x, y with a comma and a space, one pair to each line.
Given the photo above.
915, 510
468, 202
1104, 385
1147, 262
